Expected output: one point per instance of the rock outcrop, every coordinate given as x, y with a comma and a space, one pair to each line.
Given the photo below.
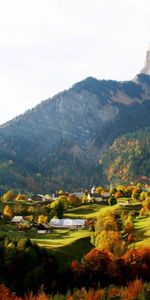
146, 68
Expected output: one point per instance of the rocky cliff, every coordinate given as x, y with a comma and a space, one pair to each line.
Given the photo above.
146, 68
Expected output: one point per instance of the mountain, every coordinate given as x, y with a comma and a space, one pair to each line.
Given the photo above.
58, 144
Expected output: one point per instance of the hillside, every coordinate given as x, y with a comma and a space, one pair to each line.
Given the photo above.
128, 158
59, 143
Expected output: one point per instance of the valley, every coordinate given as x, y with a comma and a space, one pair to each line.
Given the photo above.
116, 231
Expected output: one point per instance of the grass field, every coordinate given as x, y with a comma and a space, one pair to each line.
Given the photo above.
65, 244
131, 207
74, 250
141, 225
14, 233
57, 238
60, 238
142, 231
85, 211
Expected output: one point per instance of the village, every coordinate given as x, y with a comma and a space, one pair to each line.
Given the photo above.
42, 214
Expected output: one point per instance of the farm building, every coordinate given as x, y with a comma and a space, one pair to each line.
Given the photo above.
17, 219
77, 194
67, 223
38, 197
43, 228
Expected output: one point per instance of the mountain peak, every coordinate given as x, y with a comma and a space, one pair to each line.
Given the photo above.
146, 68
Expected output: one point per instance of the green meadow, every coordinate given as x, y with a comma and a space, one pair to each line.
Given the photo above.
142, 231
85, 211
69, 244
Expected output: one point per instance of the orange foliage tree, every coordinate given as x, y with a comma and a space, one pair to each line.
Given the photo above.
6, 294
97, 259
8, 212
20, 197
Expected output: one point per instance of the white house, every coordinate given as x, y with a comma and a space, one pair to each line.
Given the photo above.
67, 223
17, 219
93, 190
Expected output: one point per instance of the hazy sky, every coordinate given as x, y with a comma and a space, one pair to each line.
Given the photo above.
48, 45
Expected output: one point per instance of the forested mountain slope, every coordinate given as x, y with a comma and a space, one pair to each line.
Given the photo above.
128, 158
58, 144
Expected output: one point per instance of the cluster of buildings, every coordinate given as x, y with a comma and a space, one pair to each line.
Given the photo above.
42, 228
22, 223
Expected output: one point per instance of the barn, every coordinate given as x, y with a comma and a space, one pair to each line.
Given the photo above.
67, 223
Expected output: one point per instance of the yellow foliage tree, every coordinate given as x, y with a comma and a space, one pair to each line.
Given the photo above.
113, 190
146, 203
42, 219
110, 240
29, 218
20, 197
8, 212
54, 204
8, 196
84, 199
99, 189
106, 223
31, 209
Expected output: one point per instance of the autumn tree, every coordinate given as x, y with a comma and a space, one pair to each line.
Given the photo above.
74, 200
30, 218
31, 209
112, 190
42, 219
118, 194
20, 197
112, 201
129, 225
135, 193
133, 291
143, 196
131, 238
6, 294
106, 223
98, 190
23, 226
110, 240
84, 199
58, 208
8, 196
143, 211
8, 212
120, 188
95, 258
146, 203
18, 208
65, 201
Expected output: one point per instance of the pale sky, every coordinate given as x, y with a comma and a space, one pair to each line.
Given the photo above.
48, 45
